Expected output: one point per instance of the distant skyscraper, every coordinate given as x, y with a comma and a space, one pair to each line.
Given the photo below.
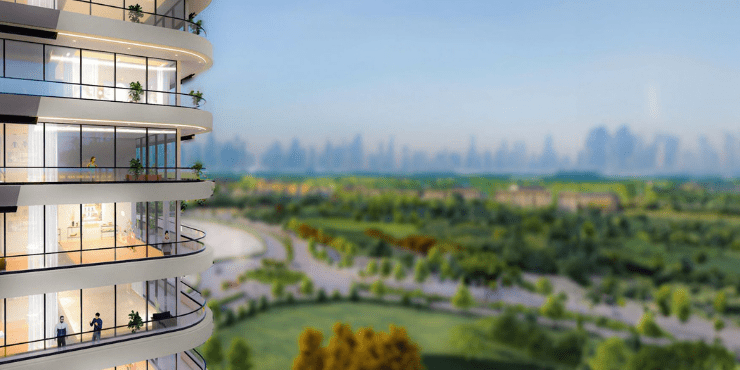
622, 149
473, 162
596, 149
296, 156
549, 158
356, 155
273, 158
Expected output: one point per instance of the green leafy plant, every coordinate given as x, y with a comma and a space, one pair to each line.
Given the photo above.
196, 27
135, 91
198, 169
197, 97
3, 264
135, 12
134, 321
135, 167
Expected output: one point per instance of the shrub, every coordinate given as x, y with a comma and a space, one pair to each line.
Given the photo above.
663, 300
371, 268
406, 299
553, 308
681, 304
306, 286
289, 298
462, 298
243, 312
229, 318
719, 324
354, 293
648, 327
385, 267
321, 295
720, 302
335, 295
378, 289
543, 286
399, 272
252, 307
262, 305
278, 290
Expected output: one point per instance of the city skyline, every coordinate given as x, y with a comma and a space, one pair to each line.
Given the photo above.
610, 152
432, 73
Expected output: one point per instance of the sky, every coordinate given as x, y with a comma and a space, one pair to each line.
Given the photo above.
433, 73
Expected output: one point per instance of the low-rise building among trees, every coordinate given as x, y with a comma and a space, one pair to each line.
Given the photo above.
525, 196
572, 201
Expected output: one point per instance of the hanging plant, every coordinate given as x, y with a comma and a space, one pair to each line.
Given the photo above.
135, 12
197, 97
135, 91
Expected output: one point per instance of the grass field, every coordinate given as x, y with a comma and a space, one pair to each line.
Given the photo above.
708, 217
273, 336
341, 224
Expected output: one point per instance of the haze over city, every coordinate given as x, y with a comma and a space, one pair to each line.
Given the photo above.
432, 74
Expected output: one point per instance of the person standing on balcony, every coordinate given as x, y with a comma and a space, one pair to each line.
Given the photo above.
61, 330
167, 246
92, 165
97, 325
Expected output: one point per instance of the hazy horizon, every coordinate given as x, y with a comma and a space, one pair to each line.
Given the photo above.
433, 73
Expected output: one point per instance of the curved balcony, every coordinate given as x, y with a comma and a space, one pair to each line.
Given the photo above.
158, 338
38, 273
187, 360
173, 15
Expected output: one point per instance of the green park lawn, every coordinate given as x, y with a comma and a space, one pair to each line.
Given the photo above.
346, 225
273, 335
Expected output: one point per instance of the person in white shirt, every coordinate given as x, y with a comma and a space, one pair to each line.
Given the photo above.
61, 330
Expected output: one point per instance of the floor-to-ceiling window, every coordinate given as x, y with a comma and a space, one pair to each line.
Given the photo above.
29, 323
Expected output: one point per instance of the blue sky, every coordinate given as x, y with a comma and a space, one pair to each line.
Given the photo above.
433, 73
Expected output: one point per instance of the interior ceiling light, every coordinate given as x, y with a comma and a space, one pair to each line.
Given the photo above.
134, 44
144, 124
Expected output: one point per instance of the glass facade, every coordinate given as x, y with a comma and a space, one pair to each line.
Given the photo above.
53, 152
49, 236
30, 323
66, 72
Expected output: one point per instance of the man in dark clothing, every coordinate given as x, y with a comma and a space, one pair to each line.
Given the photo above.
97, 325
61, 330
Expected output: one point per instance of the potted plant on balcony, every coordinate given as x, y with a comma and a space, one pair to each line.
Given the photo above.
135, 91
134, 321
135, 12
197, 97
195, 26
197, 169
3, 264
135, 169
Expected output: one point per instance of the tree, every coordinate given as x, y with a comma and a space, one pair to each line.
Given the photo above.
365, 349
445, 270
681, 304
647, 326
720, 302
212, 351
434, 257
553, 308
611, 354
278, 289
399, 272
462, 298
239, 355
385, 267
311, 355
719, 324
306, 286
543, 286
421, 271
663, 300
378, 288
372, 268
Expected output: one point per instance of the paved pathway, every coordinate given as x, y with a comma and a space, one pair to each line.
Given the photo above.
331, 277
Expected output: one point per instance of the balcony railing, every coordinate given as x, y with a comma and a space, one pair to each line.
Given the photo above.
197, 359
195, 313
71, 90
189, 243
174, 17
77, 175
